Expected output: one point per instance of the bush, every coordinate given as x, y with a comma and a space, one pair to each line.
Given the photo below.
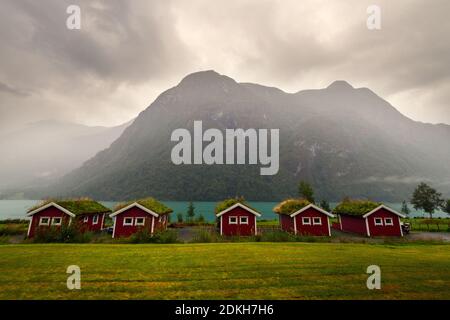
65, 234
14, 221
277, 236
144, 236
4, 240
205, 236
200, 219
12, 229
168, 236
141, 236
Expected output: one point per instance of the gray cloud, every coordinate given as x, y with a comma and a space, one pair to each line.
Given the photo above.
128, 52
8, 89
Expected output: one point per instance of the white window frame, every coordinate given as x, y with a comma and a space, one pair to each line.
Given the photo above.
306, 221
95, 219
86, 219
56, 224
241, 218
44, 224
160, 219
317, 223
390, 223
136, 223
378, 223
127, 224
234, 218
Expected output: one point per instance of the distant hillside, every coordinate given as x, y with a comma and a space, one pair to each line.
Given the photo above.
345, 141
46, 150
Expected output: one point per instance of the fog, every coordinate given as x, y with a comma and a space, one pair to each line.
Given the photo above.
128, 52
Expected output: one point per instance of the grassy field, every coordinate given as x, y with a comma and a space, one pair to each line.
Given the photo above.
431, 225
225, 271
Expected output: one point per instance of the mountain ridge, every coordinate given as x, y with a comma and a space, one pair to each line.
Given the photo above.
346, 141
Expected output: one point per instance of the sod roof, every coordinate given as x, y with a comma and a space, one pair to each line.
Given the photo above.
148, 203
225, 204
76, 206
356, 207
290, 206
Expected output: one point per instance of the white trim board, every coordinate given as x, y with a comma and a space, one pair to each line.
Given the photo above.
386, 208
400, 224
51, 204
241, 206
314, 207
134, 204
367, 227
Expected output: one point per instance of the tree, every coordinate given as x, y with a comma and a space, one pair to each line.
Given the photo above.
427, 199
200, 218
405, 208
306, 191
190, 212
325, 205
180, 218
446, 206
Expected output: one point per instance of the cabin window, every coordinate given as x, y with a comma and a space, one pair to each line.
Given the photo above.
306, 221
243, 220
160, 219
317, 221
128, 221
86, 219
56, 221
139, 222
378, 221
44, 221
388, 222
95, 219
233, 220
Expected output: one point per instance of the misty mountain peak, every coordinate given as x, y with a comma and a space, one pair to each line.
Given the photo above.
340, 84
207, 77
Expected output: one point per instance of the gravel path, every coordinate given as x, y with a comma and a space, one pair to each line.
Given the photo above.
439, 236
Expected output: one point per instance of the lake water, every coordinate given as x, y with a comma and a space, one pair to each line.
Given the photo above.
16, 209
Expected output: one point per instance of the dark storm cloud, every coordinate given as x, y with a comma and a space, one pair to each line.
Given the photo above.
127, 52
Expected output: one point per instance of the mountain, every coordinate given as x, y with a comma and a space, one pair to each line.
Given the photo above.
344, 140
43, 151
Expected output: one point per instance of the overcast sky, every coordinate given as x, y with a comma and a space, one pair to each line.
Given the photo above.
128, 52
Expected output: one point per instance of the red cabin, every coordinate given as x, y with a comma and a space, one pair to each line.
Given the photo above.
88, 214
310, 220
143, 214
382, 221
238, 220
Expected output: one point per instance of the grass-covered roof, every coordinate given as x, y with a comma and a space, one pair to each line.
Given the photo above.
227, 203
290, 206
355, 207
149, 203
76, 206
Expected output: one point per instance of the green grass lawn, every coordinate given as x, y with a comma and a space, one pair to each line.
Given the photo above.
225, 271
432, 225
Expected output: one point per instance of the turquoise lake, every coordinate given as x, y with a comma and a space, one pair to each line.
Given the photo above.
16, 209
